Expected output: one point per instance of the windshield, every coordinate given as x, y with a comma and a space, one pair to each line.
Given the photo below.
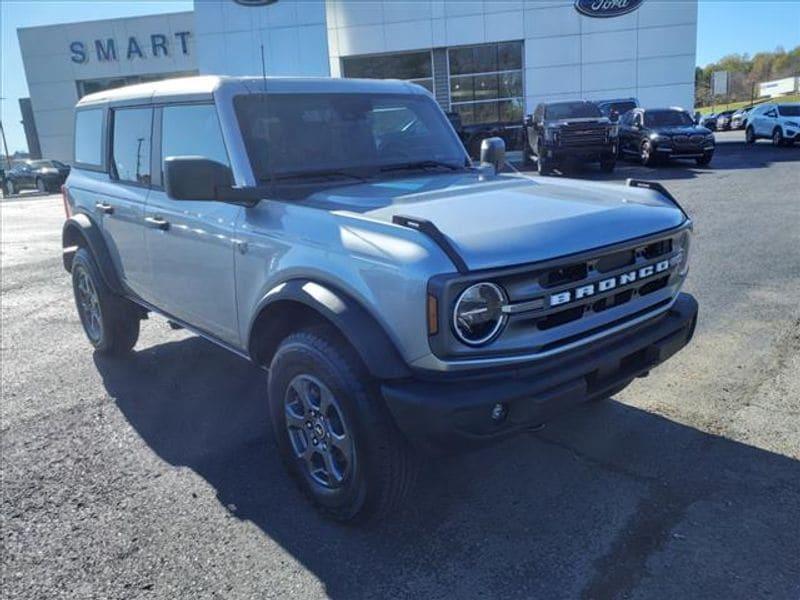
619, 107
667, 118
571, 110
344, 134
47, 163
789, 110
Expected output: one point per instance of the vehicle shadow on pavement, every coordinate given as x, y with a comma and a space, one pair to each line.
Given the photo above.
609, 501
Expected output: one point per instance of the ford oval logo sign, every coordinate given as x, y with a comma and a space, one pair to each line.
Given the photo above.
255, 2
606, 8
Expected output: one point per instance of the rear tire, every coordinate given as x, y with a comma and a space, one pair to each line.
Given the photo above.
777, 137
110, 322
333, 430
41, 185
749, 135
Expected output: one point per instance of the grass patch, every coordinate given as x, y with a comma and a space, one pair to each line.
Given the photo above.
705, 110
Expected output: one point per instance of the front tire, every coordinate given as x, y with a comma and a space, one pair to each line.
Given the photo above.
646, 154
749, 135
11, 189
41, 185
705, 160
333, 430
110, 322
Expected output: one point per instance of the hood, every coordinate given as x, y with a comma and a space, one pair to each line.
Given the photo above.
578, 121
511, 220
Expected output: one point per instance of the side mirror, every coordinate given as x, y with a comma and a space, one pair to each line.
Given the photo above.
493, 152
196, 178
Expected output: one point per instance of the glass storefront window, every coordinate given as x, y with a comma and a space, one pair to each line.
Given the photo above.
410, 66
486, 83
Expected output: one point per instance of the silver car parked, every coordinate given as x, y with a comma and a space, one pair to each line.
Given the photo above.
335, 233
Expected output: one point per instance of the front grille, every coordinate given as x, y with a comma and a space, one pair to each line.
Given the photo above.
545, 284
582, 136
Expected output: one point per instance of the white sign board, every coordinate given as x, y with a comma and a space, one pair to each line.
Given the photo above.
719, 83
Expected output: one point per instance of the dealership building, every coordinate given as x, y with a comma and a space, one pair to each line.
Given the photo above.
491, 61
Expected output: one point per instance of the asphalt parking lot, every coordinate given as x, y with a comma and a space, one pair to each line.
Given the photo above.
154, 476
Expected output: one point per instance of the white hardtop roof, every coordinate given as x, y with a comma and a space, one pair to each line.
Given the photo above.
207, 85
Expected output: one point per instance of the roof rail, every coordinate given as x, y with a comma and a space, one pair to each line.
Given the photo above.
433, 232
656, 187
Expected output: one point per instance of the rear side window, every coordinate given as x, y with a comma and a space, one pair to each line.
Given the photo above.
89, 137
192, 130
131, 146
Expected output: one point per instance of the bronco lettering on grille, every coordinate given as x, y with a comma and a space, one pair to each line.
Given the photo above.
610, 283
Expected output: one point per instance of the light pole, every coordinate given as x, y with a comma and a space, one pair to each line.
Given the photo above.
5, 145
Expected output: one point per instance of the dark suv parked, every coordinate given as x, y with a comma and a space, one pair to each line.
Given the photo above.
664, 133
558, 132
42, 175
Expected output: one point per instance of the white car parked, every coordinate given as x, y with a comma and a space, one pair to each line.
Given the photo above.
779, 122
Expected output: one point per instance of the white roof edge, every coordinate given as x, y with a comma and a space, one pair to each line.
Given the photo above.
207, 85
112, 19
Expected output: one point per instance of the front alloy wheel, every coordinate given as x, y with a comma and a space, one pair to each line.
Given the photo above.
777, 137
646, 153
317, 431
749, 136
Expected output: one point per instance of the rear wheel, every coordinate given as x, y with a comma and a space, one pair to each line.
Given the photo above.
110, 322
41, 185
333, 430
777, 137
749, 135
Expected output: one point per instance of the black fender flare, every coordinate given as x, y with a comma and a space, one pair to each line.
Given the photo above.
369, 339
80, 226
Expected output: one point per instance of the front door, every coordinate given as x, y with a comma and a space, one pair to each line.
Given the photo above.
191, 243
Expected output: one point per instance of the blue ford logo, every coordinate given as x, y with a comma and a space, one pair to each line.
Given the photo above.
606, 8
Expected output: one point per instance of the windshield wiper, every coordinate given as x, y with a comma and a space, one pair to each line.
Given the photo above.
331, 174
422, 164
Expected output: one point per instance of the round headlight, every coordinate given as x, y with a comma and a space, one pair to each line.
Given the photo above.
478, 315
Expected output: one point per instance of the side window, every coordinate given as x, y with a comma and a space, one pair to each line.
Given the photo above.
89, 137
192, 130
131, 146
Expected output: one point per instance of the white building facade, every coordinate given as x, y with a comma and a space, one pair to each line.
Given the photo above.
491, 61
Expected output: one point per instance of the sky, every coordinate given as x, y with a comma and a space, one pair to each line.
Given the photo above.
724, 27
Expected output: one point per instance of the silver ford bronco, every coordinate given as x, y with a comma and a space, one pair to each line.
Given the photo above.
335, 233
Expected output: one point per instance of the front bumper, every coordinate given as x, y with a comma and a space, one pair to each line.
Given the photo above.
671, 151
444, 414
592, 152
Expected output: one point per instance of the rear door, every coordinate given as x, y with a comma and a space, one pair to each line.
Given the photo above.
191, 243
121, 203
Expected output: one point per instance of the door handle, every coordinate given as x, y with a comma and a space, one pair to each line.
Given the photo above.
157, 223
105, 208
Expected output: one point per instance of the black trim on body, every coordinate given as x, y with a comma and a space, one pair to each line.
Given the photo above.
434, 233
373, 345
656, 187
81, 225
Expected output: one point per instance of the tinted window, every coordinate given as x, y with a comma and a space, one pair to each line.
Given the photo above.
572, 110
89, 137
666, 118
297, 133
131, 149
789, 110
192, 130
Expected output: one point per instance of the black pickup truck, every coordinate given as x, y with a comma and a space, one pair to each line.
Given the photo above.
559, 132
